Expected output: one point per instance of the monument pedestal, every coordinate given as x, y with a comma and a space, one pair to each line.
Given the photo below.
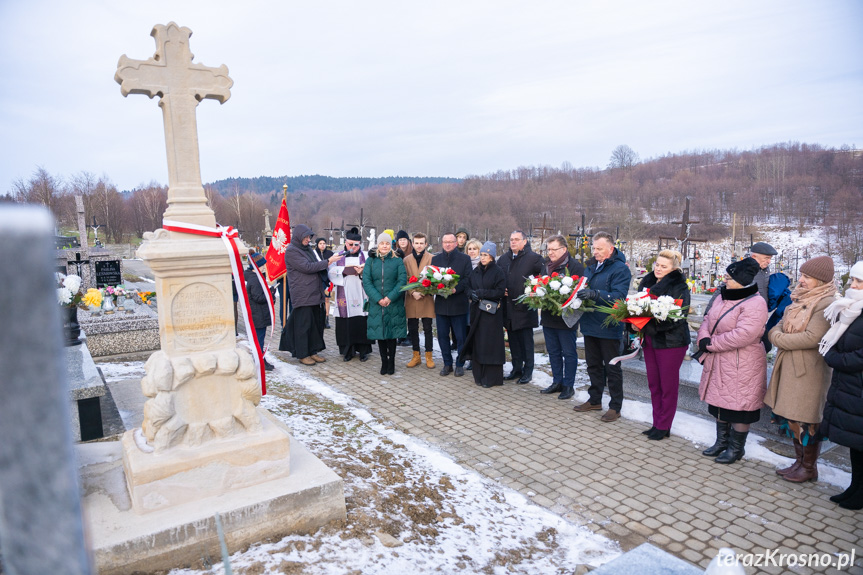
124, 541
182, 474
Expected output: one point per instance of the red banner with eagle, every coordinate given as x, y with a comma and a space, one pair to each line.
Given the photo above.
280, 240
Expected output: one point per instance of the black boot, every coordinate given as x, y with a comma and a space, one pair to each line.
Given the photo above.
391, 367
722, 428
854, 501
555, 387
385, 362
856, 478
734, 451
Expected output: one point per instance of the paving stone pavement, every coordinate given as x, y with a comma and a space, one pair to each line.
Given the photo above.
606, 476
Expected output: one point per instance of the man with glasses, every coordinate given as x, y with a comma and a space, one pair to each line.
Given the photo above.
451, 312
519, 263
351, 317
560, 338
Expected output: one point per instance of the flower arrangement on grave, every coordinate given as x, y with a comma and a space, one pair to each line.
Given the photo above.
116, 292
639, 308
434, 280
146, 296
555, 293
93, 298
69, 290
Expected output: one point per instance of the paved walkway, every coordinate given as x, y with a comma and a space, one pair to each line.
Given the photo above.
604, 475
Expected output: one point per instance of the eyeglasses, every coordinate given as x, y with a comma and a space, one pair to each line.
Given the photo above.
556, 249
351, 244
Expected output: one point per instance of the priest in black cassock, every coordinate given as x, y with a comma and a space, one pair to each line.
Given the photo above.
351, 316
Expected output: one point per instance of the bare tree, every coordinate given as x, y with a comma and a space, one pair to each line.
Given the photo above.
623, 157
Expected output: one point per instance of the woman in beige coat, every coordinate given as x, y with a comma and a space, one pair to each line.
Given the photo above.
798, 388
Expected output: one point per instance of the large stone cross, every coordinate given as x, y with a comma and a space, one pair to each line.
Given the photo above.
180, 85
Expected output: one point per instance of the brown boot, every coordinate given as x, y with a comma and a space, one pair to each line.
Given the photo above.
307, 361
808, 470
415, 360
798, 451
429, 360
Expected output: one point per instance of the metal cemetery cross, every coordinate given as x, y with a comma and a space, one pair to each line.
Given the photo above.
180, 85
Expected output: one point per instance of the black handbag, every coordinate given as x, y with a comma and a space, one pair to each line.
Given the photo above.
488, 306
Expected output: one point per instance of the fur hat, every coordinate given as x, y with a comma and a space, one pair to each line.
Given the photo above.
820, 268
743, 271
489, 248
857, 270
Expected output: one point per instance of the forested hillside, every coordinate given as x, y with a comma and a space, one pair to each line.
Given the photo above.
792, 185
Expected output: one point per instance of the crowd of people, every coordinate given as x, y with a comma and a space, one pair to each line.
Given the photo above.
815, 390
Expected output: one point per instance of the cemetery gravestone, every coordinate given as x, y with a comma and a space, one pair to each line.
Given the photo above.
108, 273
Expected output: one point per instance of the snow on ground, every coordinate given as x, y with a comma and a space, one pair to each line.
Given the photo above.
448, 519
442, 516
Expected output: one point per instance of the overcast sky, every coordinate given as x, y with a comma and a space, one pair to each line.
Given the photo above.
440, 88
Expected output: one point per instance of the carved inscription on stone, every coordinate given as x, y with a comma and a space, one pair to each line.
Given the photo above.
198, 316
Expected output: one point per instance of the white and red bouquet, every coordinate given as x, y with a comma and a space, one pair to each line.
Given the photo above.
434, 280
555, 293
639, 308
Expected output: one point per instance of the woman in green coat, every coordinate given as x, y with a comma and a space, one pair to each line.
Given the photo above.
383, 278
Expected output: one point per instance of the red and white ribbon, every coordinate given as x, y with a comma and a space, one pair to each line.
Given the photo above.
572, 301
229, 235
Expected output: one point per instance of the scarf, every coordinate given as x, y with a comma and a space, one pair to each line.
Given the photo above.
841, 313
798, 314
474, 262
418, 256
554, 265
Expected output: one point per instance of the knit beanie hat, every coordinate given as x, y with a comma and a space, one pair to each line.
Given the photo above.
857, 270
489, 248
390, 233
820, 268
743, 271
385, 237
402, 234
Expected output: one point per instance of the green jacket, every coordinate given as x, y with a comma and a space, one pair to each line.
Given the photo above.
385, 277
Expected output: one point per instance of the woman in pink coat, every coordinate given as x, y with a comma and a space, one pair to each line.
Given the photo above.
735, 365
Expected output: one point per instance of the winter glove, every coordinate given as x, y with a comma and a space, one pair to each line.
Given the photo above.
703, 343
474, 297
587, 293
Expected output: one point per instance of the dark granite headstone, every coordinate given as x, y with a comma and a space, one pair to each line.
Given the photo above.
41, 527
108, 273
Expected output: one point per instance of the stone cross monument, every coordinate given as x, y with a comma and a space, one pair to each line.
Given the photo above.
202, 434
180, 85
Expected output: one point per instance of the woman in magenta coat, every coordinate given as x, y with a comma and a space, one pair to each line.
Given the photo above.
734, 378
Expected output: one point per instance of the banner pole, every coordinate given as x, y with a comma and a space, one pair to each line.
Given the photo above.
285, 277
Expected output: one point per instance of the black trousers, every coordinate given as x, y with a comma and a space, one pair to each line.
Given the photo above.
521, 349
597, 353
414, 333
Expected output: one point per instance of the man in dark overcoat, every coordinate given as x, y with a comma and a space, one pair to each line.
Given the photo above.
519, 263
451, 311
